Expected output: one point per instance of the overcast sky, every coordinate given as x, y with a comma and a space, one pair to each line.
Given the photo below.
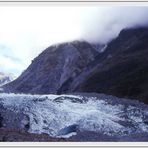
26, 31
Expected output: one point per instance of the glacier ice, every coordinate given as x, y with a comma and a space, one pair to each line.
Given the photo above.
52, 114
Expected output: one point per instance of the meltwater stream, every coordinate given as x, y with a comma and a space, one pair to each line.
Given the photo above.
64, 115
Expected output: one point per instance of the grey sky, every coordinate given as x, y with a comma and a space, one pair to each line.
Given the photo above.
26, 31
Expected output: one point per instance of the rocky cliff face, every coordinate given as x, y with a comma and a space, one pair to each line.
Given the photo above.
119, 68
56, 66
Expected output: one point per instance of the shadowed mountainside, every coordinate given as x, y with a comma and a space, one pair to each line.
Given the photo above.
54, 67
120, 70
123, 67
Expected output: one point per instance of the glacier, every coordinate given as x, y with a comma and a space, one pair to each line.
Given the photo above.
64, 115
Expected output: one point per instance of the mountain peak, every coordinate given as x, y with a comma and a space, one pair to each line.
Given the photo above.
55, 66
120, 69
128, 32
6, 78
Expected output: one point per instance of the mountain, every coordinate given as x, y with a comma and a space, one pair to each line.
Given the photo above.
6, 78
54, 67
119, 68
123, 68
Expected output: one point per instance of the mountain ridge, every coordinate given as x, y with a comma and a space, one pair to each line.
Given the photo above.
120, 70
124, 73
53, 67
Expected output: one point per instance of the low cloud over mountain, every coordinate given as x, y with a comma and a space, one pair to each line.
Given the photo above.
39, 27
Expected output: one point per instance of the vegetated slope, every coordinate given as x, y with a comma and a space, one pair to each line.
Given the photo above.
123, 68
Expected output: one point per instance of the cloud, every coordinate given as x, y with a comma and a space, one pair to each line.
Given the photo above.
9, 66
26, 31
105, 25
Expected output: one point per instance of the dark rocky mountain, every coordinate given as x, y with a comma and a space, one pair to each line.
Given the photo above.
123, 68
120, 68
54, 67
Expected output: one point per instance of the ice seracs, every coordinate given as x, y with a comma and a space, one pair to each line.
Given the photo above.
64, 115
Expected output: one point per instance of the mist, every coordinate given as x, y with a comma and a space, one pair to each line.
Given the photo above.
26, 31
107, 24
